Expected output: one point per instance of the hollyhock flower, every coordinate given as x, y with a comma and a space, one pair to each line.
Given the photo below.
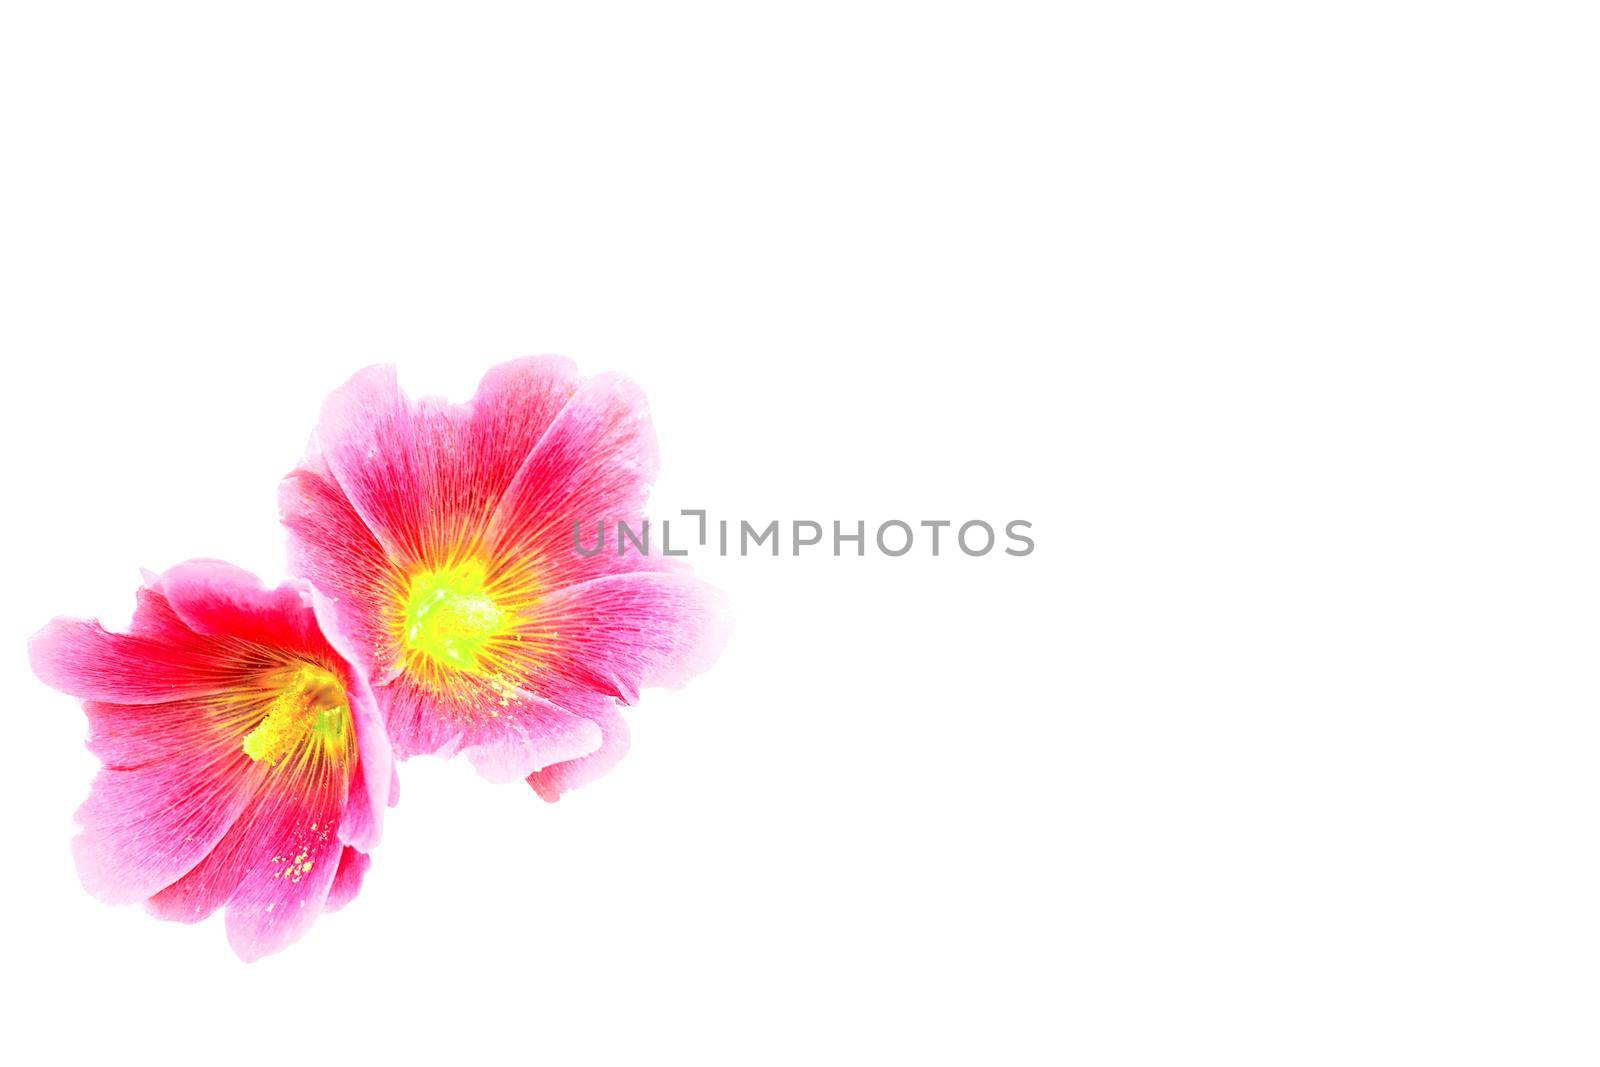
245, 763
439, 543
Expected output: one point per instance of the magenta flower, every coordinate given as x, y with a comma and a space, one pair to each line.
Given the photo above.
245, 761
439, 542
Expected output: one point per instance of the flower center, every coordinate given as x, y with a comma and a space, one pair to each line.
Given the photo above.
450, 616
308, 702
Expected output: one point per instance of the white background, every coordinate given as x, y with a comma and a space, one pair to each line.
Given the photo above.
1277, 320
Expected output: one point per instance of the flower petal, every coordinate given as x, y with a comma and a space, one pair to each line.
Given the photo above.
273, 869
217, 599
353, 865
369, 440
351, 574
374, 786
144, 829
618, 634
290, 864
535, 735
82, 659
514, 407
560, 778
595, 463
506, 735
425, 476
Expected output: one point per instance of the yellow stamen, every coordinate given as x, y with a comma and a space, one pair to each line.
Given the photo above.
308, 703
450, 616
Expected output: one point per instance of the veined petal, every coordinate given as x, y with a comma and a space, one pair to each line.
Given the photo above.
369, 439
535, 736
282, 820
619, 634
83, 660
217, 599
426, 476
595, 464
514, 407
505, 732
144, 829
353, 865
353, 577
374, 785
288, 863
558, 778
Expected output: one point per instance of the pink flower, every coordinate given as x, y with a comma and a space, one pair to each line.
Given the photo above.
245, 762
439, 542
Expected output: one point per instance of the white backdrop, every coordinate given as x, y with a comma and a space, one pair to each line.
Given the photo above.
1277, 321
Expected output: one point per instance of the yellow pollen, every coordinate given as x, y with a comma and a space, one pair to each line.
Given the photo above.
450, 616
308, 702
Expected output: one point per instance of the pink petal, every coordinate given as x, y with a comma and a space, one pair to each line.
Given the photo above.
595, 463
272, 870
127, 737
514, 406
559, 778
415, 723
352, 575
154, 618
144, 829
353, 865
292, 860
535, 735
507, 736
618, 634
424, 476
217, 599
369, 439
80, 658
212, 881
374, 785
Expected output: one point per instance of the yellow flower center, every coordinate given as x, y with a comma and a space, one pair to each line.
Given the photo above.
308, 703
450, 617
